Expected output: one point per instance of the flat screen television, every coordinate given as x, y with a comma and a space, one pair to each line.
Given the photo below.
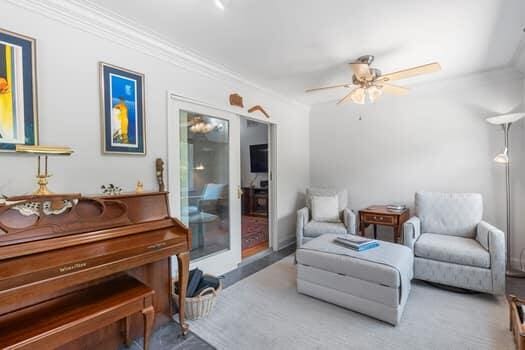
259, 158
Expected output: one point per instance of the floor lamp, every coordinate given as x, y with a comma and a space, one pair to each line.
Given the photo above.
504, 158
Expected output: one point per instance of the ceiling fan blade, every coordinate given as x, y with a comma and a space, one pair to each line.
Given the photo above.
361, 71
410, 72
328, 87
393, 89
346, 98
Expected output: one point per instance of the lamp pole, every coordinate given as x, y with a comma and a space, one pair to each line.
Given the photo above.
510, 272
506, 121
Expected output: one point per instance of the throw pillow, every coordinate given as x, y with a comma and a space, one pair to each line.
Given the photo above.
325, 209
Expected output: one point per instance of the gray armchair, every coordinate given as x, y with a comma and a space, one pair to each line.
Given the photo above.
308, 229
453, 246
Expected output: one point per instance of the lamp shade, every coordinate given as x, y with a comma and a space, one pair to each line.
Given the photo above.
506, 118
44, 150
358, 96
502, 158
374, 93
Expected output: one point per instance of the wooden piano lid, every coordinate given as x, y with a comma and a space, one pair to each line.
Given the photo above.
31, 224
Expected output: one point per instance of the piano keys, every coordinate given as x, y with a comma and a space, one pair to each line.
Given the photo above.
54, 245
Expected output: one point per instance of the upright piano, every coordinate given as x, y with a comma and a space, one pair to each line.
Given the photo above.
56, 245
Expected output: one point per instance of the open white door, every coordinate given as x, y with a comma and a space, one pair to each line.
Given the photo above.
204, 182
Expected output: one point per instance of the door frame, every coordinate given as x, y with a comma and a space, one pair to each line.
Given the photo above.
273, 239
215, 263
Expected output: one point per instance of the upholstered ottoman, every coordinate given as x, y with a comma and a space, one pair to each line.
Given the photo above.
375, 282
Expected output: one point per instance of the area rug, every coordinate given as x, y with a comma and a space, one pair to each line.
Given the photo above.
254, 231
264, 311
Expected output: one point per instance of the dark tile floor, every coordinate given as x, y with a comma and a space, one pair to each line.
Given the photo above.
169, 337
244, 271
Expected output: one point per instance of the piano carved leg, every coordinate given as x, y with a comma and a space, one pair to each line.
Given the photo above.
127, 335
184, 265
149, 318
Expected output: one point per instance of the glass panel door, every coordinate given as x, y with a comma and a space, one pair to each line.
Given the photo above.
205, 181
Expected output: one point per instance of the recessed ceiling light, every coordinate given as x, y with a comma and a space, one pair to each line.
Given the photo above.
219, 4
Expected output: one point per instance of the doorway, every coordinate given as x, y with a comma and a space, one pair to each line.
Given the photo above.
255, 182
206, 185
204, 182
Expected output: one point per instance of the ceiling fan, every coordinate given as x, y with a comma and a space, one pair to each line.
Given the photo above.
370, 82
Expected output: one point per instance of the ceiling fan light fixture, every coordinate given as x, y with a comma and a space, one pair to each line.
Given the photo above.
358, 96
371, 83
374, 93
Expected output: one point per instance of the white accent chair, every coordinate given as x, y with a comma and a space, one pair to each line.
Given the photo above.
308, 229
453, 246
207, 210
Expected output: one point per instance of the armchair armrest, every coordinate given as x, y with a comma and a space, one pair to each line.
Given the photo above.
303, 216
349, 219
493, 240
411, 231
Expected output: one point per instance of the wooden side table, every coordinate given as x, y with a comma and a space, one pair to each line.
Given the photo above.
381, 215
516, 325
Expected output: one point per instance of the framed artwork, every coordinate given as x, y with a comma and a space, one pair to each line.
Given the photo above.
18, 100
122, 100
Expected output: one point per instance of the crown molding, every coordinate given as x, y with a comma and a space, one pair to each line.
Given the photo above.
93, 19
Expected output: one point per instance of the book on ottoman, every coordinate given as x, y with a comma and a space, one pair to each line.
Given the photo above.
356, 242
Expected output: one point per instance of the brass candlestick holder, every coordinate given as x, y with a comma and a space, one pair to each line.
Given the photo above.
42, 153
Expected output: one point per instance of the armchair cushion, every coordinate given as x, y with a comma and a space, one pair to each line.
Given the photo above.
213, 191
456, 214
452, 249
342, 196
325, 209
316, 228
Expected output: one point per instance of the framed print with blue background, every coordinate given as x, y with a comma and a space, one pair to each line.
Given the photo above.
18, 100
122, 96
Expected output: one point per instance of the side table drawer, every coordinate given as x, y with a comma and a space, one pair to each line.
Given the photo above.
379, 219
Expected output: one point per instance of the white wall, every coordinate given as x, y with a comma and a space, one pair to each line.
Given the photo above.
435, 139
251, 135
69, 49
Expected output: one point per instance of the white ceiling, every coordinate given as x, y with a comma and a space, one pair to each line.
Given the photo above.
290, 45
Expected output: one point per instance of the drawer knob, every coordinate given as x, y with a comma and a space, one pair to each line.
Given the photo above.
157, 245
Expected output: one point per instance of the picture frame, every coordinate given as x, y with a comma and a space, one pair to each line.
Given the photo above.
18, 91
122, 110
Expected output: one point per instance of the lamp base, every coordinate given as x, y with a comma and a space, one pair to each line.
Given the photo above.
515, 273
42, 186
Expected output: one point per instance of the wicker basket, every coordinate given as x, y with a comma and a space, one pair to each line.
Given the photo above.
199, 306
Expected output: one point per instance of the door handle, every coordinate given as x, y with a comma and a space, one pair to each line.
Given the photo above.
239, 192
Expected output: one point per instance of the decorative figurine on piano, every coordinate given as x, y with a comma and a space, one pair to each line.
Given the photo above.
111, 190
159, 165
140, 187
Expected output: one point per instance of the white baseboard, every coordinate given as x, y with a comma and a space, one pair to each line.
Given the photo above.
286, 243
516, 264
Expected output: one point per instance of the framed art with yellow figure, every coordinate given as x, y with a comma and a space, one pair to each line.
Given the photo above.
18, 100
122, 108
